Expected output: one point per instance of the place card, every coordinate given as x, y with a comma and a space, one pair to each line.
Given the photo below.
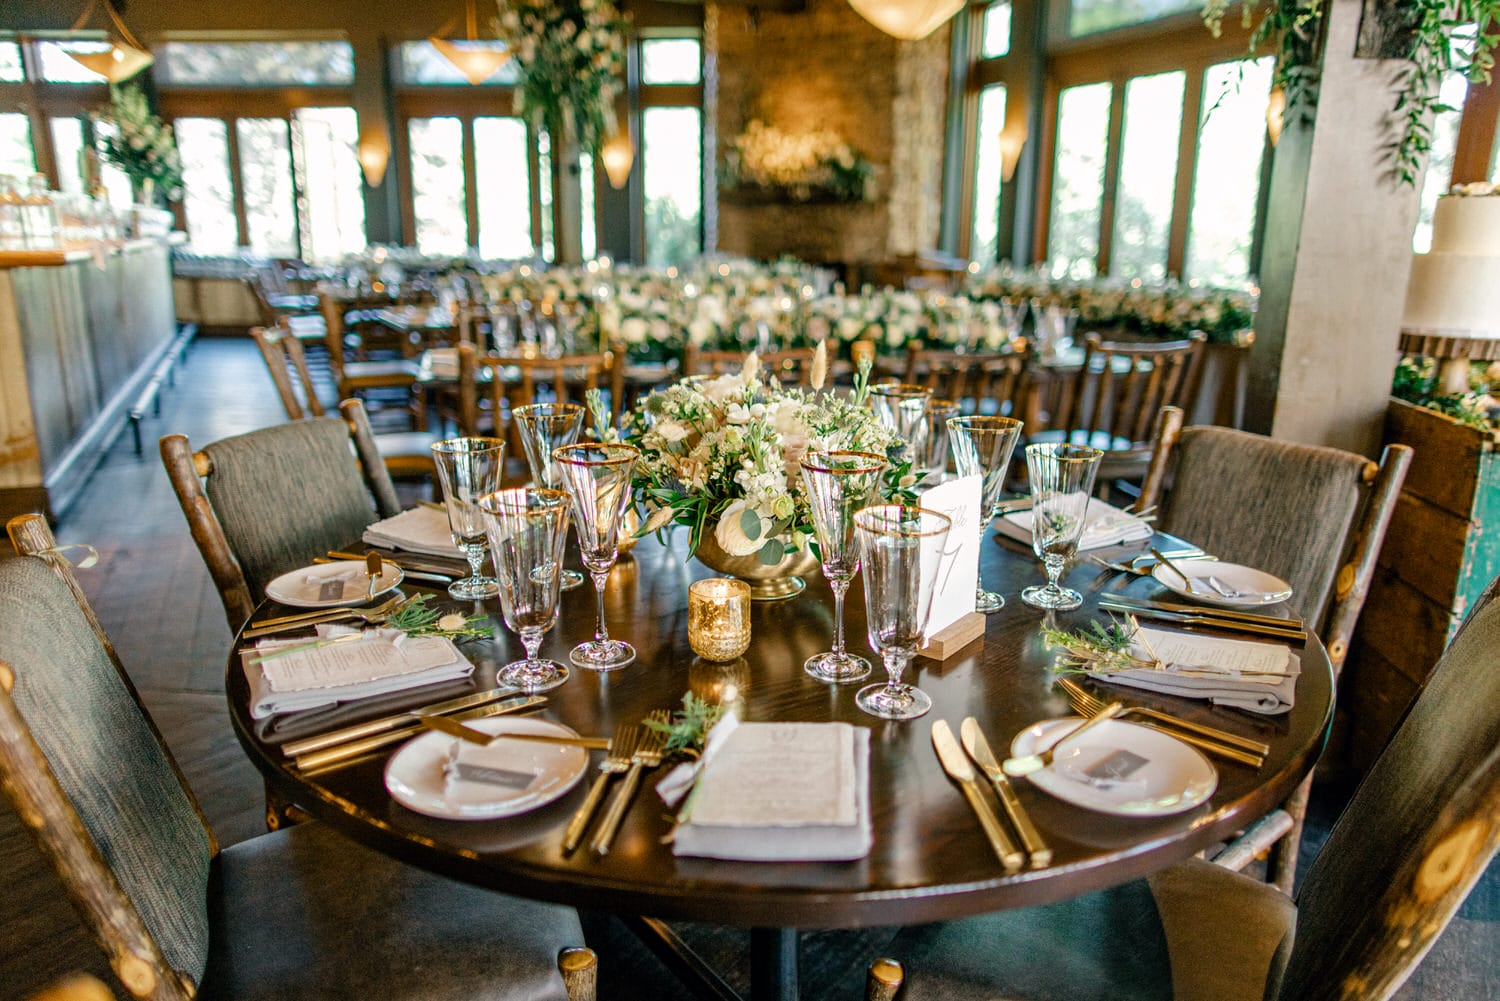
958, 570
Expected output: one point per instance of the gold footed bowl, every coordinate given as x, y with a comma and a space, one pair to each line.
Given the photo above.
775, 582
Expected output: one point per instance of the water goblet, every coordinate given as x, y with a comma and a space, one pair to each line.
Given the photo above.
839, 484
934, 458
527, 528
901, 548
468, 469
901, 408
982, 447
543, 428
1061, 478
597, 477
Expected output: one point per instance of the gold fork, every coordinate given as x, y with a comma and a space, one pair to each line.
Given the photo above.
286, 623
622, 745
647, 755
1215, 741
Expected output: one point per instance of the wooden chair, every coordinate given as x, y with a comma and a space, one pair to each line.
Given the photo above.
1419, 831
993, 384
300, 913
392, 381
1112, 399
791, 367
407, 454
270, 501
485, 404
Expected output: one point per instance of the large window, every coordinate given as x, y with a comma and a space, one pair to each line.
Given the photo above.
16, 157
1078, 180
984, 238
1226, 177
1088, 16
1148, 176
437, 185
1440, 159
995, 31
11, 70
673, 176
254, 64
59, 67
330, 194
208, 192
504, 188
265, 151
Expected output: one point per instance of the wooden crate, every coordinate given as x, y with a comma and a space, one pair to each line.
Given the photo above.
1442, 548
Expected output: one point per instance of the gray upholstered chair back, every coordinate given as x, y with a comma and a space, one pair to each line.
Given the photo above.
1280, 506
287, 494
1419, 831
113, 777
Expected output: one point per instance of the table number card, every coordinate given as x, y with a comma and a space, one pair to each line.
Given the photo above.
953, 599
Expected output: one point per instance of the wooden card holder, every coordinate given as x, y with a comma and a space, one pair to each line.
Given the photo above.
953, 638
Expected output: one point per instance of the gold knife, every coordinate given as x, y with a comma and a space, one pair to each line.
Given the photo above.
454, 729
1255, 618
979, 749
958, 768
357, 748
396, 721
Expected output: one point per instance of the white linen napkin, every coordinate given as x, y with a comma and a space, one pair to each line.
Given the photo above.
1107, 525
1256, 677
378, 662
421, 529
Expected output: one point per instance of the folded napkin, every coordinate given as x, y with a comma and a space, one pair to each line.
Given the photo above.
420, 530
360, 665
781, 792
1107, 525
1256, 677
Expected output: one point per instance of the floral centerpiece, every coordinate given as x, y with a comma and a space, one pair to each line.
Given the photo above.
723, 456
142, 145
571, 54
802, 165
1416, 381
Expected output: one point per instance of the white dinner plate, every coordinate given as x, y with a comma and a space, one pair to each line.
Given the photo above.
1255, 587
301, 588
1160, 775
414, 775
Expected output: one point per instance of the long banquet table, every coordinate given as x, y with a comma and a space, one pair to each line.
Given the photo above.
930, 860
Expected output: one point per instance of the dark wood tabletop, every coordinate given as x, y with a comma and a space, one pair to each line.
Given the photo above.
930, 859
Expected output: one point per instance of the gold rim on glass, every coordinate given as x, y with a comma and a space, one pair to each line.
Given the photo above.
548, 410
522, 501
900, 390
817, 461
468, 445
901, 520
576, 455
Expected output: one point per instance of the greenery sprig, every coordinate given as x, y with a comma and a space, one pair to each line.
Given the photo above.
416, 618
689, 726
1099, 646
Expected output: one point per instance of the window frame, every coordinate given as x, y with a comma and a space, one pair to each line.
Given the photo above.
660, 95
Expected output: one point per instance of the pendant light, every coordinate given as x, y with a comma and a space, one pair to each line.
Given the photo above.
477, 62
909, 20
125, 56
617, 155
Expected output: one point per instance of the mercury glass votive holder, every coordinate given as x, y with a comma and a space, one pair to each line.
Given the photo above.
719, 618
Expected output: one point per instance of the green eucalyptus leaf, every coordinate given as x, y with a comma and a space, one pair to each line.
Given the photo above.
771, 553
750, 524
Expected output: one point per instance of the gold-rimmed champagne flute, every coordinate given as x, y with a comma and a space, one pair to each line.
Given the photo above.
597, 478
1062, 476
527, 527
545, 427
468, 469
982, 447
901, 408
838, 484
901, 549
934, 458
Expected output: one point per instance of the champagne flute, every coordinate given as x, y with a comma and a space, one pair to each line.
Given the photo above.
982, 447
839, 484
527, 528
597, 477
901, 408
1061, 478
545, 427
468, 469
934, 458
901, 549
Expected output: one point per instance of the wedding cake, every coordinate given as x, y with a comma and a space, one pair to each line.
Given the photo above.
1454, 288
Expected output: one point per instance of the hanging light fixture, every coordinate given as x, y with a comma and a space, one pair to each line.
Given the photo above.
476, 60
1275, 114
617, 154
907, 19
125, 56
1012, 141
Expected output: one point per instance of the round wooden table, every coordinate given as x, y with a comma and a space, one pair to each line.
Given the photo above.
930, 860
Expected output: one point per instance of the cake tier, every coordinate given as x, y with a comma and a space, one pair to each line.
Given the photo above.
1454, 292
1467, 225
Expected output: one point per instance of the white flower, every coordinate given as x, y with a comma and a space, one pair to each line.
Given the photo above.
452, 622
634, 330
731, 536
672, 431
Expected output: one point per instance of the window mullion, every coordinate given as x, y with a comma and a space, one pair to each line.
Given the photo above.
1187, 165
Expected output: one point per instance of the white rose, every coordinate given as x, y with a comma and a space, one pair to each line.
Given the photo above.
673, 431
730, 536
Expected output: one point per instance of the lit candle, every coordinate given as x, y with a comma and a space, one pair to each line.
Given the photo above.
719, 618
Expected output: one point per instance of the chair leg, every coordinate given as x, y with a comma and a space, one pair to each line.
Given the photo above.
883, 980
580, 972
1282, 870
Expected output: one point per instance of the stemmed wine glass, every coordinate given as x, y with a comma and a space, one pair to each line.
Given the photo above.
934, 458
545, 427
839, 484
1061, 478
527, 528
468, 469
982, 447
901, 549
901, 408
597, 477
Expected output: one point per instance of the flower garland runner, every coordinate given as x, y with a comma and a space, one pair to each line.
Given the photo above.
571, 54
142, 145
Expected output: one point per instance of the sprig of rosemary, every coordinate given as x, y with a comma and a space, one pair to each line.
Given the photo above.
416, 618
689, 726
1099, 646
